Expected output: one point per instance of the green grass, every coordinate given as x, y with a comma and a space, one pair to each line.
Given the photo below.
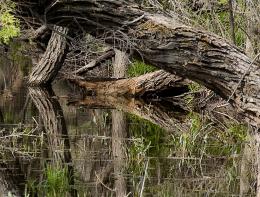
138, 68
55, 184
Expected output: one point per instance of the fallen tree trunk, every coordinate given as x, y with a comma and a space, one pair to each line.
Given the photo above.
155, 82
168, 44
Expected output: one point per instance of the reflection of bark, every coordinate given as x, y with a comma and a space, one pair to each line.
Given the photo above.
55, 127
10, 180
1, 117
163, 117
119, 130
10, 184
257, 138
246, 168
11, 177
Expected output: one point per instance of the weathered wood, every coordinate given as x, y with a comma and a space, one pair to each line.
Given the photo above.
167, 43
49, 65
157, 81
120, 64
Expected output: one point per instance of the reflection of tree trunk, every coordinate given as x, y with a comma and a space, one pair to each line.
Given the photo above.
166, 118
257, 141
119, 130
246, 168
1, 117
55, 127
9, 183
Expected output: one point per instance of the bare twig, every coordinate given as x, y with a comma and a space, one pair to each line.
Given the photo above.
99, 180
94, 63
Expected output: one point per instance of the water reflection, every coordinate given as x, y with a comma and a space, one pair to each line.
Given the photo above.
94, 148
69, 145
57, 136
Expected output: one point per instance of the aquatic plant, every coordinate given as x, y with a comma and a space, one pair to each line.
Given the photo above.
56, 182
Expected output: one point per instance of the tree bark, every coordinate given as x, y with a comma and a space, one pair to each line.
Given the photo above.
120, 64
48, 67
154, 82
167, 43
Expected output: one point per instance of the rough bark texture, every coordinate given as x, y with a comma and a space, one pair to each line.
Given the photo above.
157, 81
166, 43
49, 65
120, 64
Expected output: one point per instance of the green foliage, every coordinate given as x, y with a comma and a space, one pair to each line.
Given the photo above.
138, 68
10, 26
57, 180
223, 1
56, 183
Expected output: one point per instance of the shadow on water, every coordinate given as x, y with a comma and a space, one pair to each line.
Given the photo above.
61, 144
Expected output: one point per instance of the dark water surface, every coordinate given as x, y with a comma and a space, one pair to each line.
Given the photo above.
54, 142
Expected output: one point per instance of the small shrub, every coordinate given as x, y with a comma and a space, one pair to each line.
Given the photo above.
9, 25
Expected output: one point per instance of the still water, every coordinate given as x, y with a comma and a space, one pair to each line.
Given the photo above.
59, 142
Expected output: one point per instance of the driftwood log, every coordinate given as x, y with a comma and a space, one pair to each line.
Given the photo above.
155, 82
166, 43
